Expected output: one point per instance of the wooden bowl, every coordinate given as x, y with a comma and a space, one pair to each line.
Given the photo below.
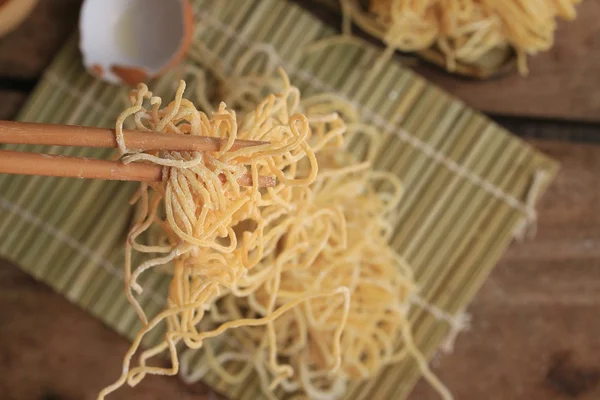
495, 63
13, 12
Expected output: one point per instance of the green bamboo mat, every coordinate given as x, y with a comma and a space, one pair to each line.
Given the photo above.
466, 179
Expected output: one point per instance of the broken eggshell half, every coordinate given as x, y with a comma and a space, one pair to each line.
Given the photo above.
131, 41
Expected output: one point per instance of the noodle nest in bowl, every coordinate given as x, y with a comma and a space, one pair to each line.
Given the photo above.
463, 31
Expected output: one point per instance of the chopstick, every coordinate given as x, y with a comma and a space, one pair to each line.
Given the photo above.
23, 163
12, 132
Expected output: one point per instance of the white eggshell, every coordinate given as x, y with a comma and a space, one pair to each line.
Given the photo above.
127, 41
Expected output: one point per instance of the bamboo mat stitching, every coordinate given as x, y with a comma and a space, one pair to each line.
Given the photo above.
97, 258
309, 79
528, 209
73, 243
52, 230
379, 121
81, 97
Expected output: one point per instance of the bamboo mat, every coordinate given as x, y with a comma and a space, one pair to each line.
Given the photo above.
467, 181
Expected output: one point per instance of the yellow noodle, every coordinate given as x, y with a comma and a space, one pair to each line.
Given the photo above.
297, 280
198, 214
336, 238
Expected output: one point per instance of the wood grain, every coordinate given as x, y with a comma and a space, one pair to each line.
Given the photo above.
50, 349
27, 50
535, 333
10, 102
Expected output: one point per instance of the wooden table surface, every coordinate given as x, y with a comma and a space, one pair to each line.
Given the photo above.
535, 333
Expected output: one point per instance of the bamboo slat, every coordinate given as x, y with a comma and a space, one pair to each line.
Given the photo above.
466, 179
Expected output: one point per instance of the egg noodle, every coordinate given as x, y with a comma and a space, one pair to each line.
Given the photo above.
351, 251
197, 212
297, 282
463, 30
368, 200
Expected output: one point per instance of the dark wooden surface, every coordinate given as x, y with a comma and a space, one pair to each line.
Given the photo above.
50, 349
535, 333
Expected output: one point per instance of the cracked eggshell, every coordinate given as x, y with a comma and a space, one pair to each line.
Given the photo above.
131, 41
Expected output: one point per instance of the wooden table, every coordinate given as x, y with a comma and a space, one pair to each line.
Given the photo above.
535, 333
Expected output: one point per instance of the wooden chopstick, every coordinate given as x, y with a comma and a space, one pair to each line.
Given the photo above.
12, 132
23, 163
12, 162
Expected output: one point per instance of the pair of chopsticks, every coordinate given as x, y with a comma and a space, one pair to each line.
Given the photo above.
24, 163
